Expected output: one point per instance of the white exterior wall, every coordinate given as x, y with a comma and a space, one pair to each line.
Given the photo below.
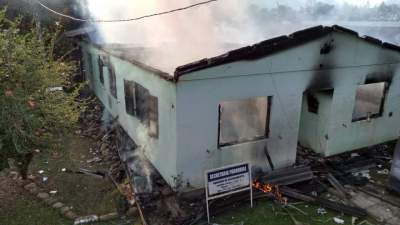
162, 151
188, 109
285, 76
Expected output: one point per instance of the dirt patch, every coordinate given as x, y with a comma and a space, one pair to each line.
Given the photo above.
9, 191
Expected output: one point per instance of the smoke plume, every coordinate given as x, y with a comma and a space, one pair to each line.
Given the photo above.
209, 30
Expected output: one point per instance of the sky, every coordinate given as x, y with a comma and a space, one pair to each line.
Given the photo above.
305, 2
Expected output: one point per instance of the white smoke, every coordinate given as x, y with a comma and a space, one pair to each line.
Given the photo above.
180, 37
208, 30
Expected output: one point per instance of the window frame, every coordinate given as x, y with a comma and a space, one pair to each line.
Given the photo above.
254, 139
381, 105
144, 106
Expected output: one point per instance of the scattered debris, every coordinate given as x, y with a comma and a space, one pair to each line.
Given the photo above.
92, 173
86, 219
290, 175
321, 211
363, 173
383, 172
355, 211
338, 220
95, 159
53, 89
394, 179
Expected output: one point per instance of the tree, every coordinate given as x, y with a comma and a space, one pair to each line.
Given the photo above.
31, 104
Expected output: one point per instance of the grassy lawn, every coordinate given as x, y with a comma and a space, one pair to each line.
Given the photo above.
29, 211
267, 213
87, 194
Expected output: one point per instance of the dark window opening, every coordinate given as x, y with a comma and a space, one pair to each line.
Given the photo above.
141, 99
113, 81
369, 101
101, 72
312, 103
129, 87
243, 120
140, 103
153, 116
90, 64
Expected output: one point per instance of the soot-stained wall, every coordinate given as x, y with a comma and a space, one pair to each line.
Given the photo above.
337, 62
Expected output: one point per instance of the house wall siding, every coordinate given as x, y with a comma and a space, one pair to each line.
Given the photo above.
285, 76
189, 114
161, 151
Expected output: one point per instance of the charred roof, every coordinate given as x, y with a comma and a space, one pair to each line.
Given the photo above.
275, 45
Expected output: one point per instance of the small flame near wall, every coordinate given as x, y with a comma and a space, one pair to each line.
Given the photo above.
270, 189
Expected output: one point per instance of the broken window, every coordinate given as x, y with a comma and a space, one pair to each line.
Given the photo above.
153, 116
141, 100
369, 101
312, 103
139, 103
129, 87
113, 81
90, 64
101, 65
243, 120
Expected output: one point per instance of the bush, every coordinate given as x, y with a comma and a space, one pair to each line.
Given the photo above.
31, 106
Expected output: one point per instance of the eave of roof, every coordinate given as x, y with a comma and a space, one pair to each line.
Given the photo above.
161, 74
274, 45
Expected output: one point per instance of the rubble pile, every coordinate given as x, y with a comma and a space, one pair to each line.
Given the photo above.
92, 125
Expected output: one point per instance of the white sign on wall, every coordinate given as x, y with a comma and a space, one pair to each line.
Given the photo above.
228, 180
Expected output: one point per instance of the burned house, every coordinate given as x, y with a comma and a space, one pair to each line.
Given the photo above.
325, 88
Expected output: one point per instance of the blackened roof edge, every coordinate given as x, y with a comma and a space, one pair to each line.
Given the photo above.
274, 45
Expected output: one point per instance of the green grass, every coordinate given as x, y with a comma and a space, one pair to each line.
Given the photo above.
28, 211
267, 213
87, 194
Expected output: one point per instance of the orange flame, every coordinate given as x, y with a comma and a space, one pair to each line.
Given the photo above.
268, 188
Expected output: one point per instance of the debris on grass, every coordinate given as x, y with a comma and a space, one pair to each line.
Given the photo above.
86, 219
321, 211
338, 220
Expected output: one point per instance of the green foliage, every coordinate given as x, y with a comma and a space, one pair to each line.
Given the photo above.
29, 108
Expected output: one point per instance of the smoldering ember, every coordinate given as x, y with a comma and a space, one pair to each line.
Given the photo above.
182, 114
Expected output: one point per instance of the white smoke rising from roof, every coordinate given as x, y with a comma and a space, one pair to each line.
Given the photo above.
180, 37
209, 30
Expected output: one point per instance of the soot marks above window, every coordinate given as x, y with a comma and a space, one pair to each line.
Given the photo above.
369, 101
243, 120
